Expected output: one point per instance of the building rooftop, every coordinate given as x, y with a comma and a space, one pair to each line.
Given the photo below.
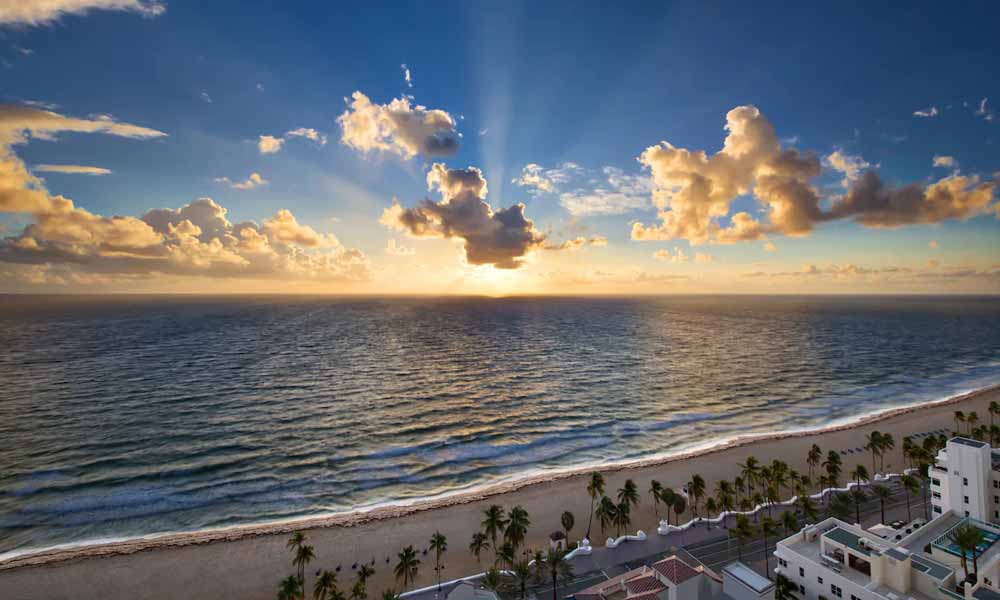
748, 577
967, 442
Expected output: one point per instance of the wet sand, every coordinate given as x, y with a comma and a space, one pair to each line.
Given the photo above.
249, 562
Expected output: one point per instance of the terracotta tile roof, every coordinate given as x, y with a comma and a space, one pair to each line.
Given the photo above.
647, 595
643, 584
675, 570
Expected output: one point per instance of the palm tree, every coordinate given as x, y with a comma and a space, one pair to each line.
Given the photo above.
743, 531
439, 544
789, 521
303, 556
805, 506
859, 497
784, 589
505, 555
971, 419
655, 488
750, 469
479, 543
567, 520
723, 494
959, 419
494, 523
885, 443
408, 565
910, 486
994, 410
768, 528
325, 585
492, 580
679, 505
622, 517
882, 493
390, 594
629, 494
859, 474
358, 591
696, 489
522, 574
556, 567
873, 444
668, 495
813, 459
967, 539
840, 506
290, 588
832, 464
517, 526
361, 585
606, 513
595, 489
710, 508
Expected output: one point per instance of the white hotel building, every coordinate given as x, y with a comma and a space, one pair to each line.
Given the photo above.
837, 560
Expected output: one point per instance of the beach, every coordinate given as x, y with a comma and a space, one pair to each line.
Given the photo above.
249, 562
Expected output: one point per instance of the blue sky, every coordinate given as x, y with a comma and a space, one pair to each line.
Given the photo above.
546, 83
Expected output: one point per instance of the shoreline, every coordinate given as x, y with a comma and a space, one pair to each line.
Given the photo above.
382, 513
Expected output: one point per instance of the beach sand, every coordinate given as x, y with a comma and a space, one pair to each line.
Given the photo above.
249, 562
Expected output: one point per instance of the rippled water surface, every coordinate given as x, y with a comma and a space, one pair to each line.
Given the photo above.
123, 417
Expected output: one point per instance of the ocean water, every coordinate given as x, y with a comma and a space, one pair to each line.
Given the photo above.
124, 417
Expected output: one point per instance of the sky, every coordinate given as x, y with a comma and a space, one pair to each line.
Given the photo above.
498, 148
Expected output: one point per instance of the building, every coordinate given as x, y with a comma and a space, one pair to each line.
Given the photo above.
833, 559
674, 578
468, 590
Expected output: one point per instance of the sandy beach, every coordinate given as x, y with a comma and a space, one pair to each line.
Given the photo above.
249, 562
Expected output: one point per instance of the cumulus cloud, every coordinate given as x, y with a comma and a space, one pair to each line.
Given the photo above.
578, 243
194, 240
268, 144
393, 248
850, 166
71, 169
309, 133
406, 75
586, 192
254, 180
533, 176
694, 190
398, 127
45, 12
945, 161
678, 256
933, 271
927, 112
502, 238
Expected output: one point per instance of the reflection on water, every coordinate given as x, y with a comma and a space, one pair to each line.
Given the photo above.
132, 416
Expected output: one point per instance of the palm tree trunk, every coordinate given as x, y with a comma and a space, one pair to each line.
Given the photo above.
591, 520
767, 568
908, 517
555, 582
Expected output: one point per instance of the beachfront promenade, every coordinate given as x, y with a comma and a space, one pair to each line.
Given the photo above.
712, 546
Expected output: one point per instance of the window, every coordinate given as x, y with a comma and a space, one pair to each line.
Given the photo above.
936, 495
802, 589
996, 499
966, 513
965, 481
836, 591
996, 484
853, 597
938, 482
965, 499
819, 580
996, 514
802, 572
937, 509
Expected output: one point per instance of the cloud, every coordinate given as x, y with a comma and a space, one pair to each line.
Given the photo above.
586, 192
393, 248
578, 243
406, 75
945, 161
502, 238
933, 244
71, 169
693, 190
984, 112
598, 240
927, 112
398, 127
533, 176
677, 257
206, 97
254, 180
45, 12
850, 166
847, 272
70, 243
702, 257
769, 246
269, 144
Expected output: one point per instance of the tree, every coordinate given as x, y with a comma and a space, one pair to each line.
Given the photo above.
668, 495
959, 419
408, 566
749, 470
606, 513
390, 594
789, 521
494, 523
303, 556
804, 505
522, 573
439, 544
910, 486
971, 419
859, 474
558, 569
567, 520
290, 588
505, 555
967, 539
492, 579
325, 586
479, 543
882, 493
859, 497
623, 517
710, 508
840, 505
784, 589
655, 488
886, 443
517, 526
629, 494
696, 489
595, 489
832, 464
873, 444
813, 459
742, 531
768, 528
680, 504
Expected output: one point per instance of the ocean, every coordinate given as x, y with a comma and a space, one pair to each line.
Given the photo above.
129, 416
